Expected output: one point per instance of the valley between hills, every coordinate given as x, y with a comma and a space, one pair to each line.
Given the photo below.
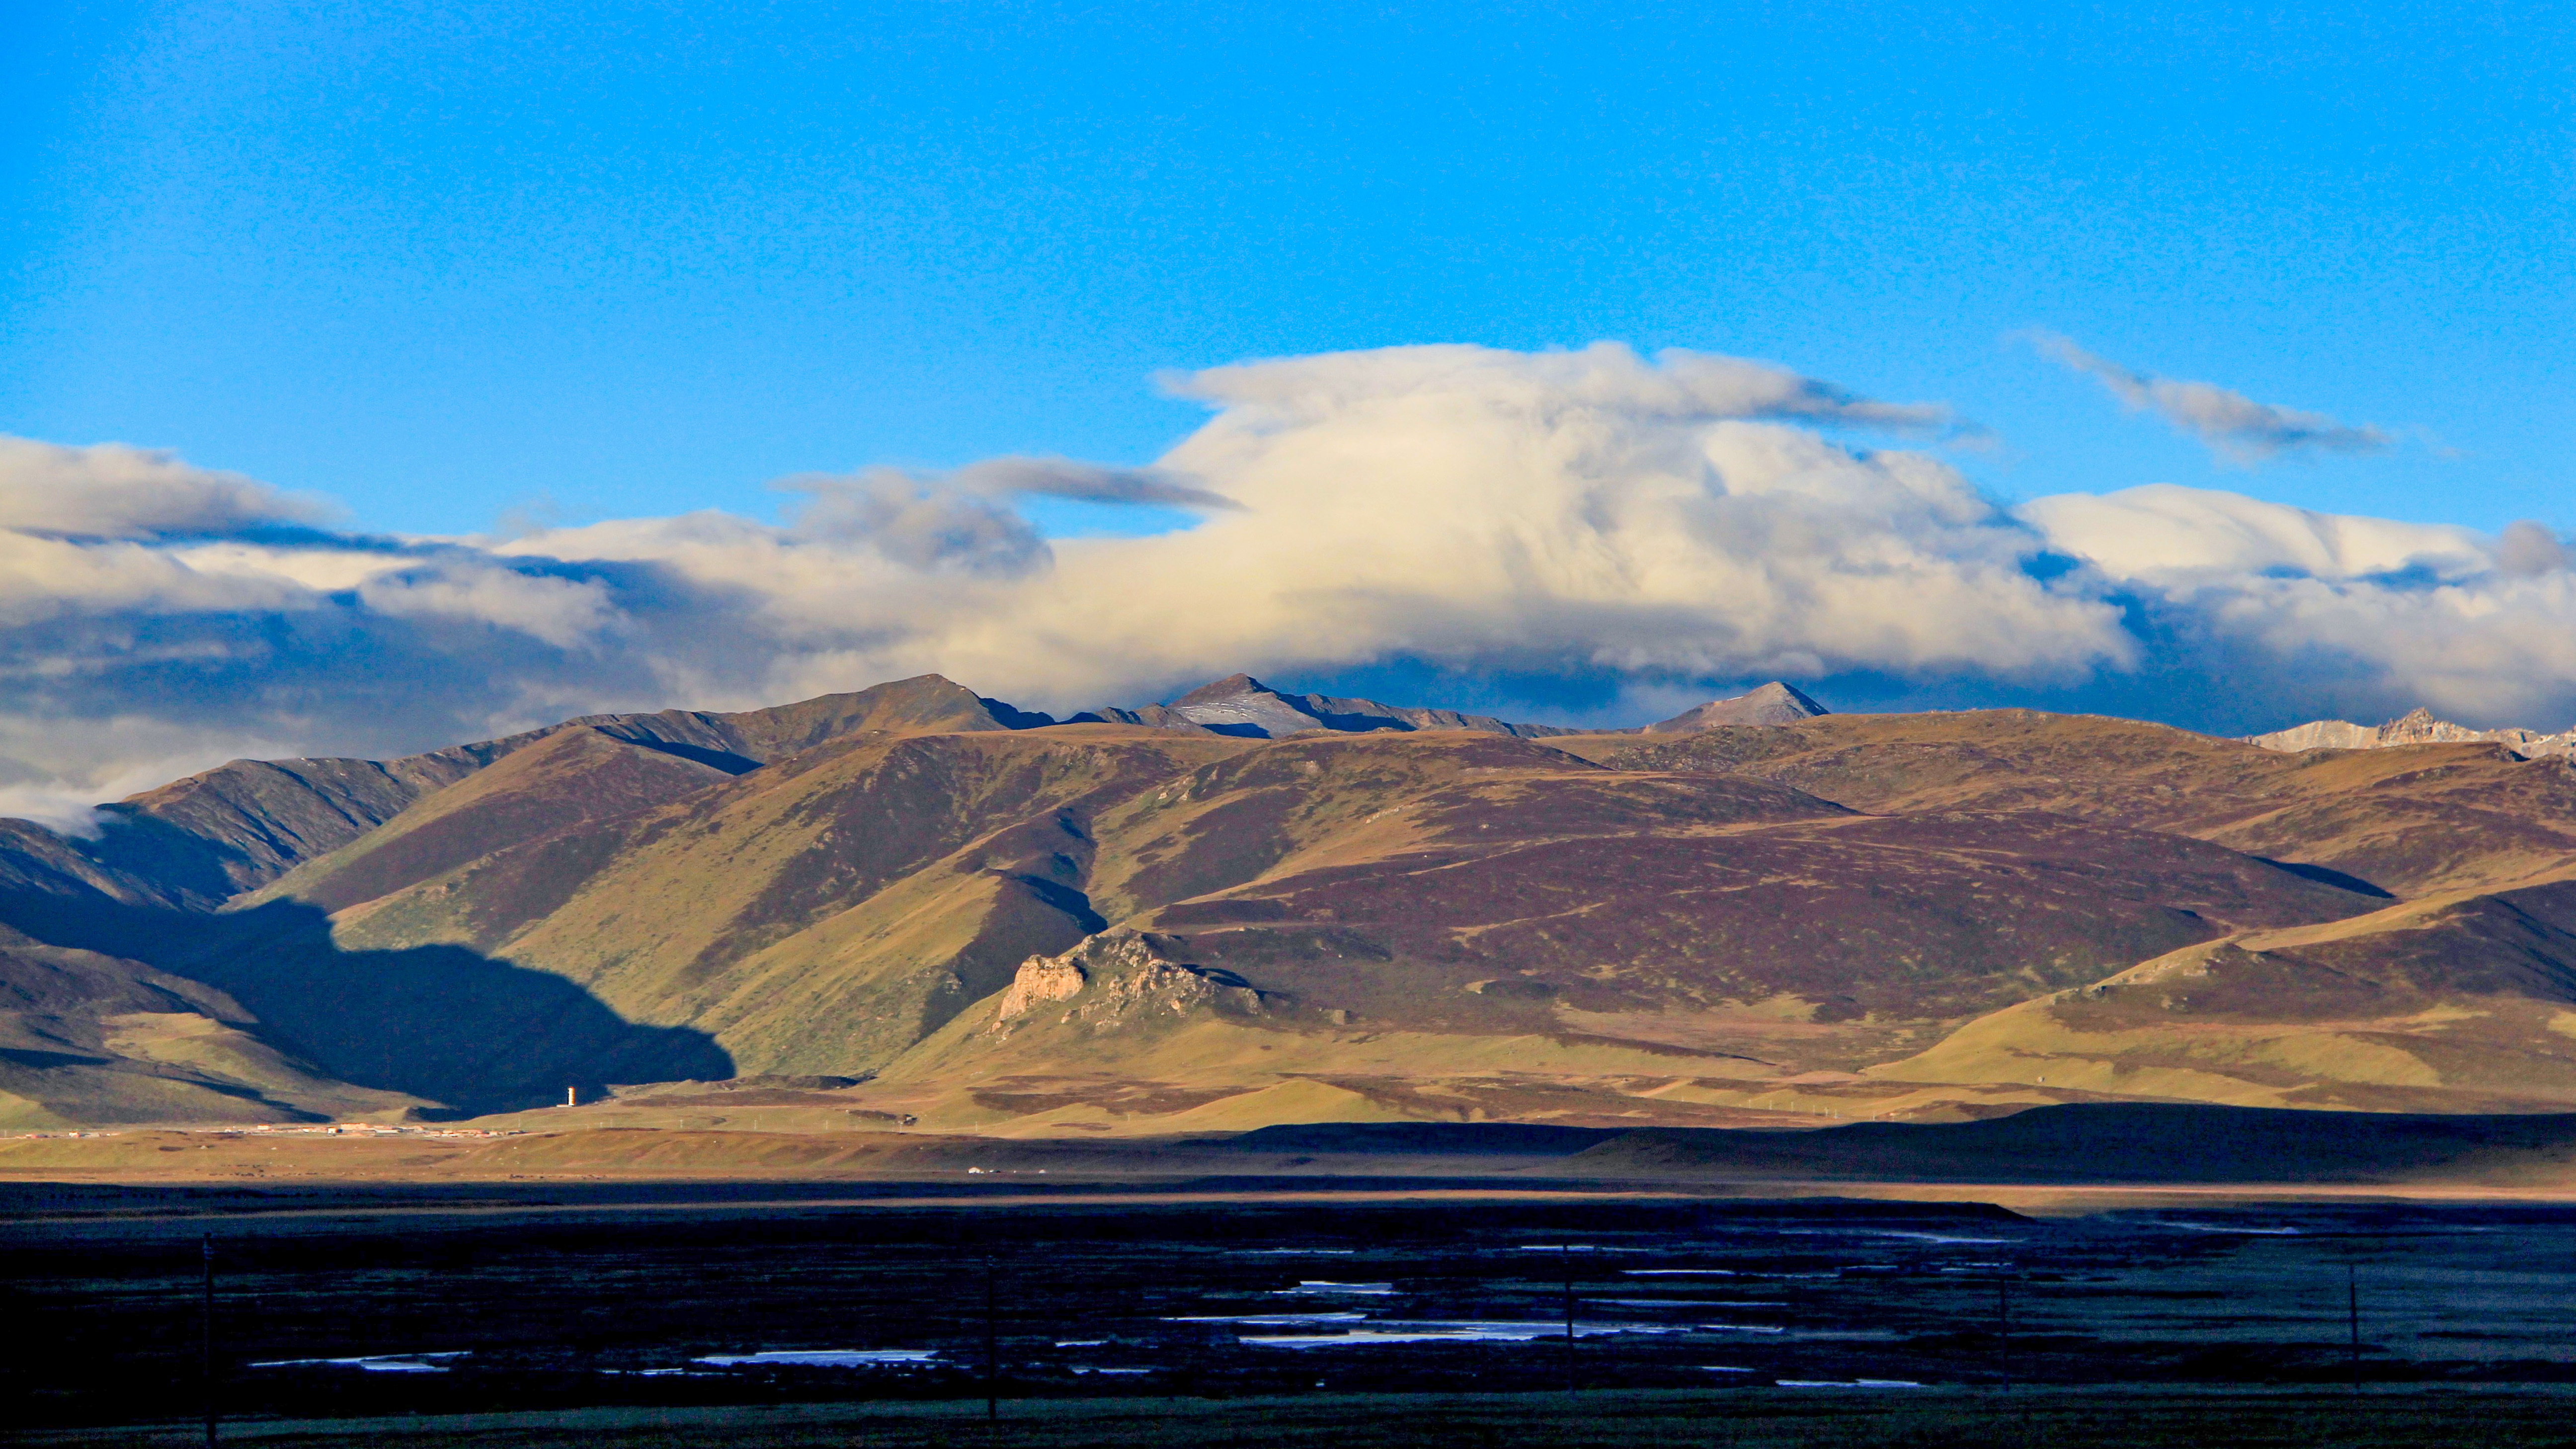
915, 909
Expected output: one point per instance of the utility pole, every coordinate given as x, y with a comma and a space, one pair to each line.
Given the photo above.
2352, 1306
1567, 1251
992, 1350
206, 1365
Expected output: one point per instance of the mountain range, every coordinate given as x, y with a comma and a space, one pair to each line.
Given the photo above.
1244, 906
2417, 727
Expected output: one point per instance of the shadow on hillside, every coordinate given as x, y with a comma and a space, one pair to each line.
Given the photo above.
442, 1022
2324, 875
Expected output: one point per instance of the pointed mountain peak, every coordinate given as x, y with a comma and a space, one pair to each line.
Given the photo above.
1242, 705
1780, 694
1775, 703
1233, 686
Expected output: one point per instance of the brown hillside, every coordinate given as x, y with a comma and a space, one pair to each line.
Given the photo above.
214, 836
2463, 1001
571, 776
818, 915
2408, 820
1824, 917
826, 913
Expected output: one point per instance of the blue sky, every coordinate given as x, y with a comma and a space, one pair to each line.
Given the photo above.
447, 262
1391, 349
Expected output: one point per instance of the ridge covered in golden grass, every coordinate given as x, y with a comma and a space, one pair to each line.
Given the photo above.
991, 925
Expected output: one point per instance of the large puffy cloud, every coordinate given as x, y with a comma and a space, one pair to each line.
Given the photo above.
1587, 510
1644, 526
2235, 426
2368, 613
1575, 509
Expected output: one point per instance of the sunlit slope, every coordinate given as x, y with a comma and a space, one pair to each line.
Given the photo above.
499, 792
1466, 890
1124, 1033
570, 777
817, 915
2459, 1002
199, 841
2408, 820
1840, 916
924, 703
1357, 803
1464, 927
1476, 883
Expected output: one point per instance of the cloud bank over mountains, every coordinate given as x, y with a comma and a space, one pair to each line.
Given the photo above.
1625, 523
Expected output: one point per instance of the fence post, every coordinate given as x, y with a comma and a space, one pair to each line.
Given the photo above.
206, 1364
2003, 1329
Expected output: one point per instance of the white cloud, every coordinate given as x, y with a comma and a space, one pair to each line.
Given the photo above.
2235, 427
113, 491
1678, 386
2172, 535
1585, 510
566, 613
1581, 509
920, 523
316, 570
2527, 549
2481, 629
43, 577
1586, 516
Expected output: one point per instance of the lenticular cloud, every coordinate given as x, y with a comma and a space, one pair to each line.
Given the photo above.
1666, 522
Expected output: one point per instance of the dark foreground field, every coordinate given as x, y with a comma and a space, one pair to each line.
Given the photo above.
1788, 1419
1255, 1322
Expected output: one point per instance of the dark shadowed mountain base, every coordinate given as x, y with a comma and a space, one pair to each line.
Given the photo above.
441, 1023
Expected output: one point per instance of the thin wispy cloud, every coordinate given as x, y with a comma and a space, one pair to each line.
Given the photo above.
2235, 427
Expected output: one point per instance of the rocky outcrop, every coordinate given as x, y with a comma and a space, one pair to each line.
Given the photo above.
2319, 734
1041, 979
2416, 727
1121, 977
